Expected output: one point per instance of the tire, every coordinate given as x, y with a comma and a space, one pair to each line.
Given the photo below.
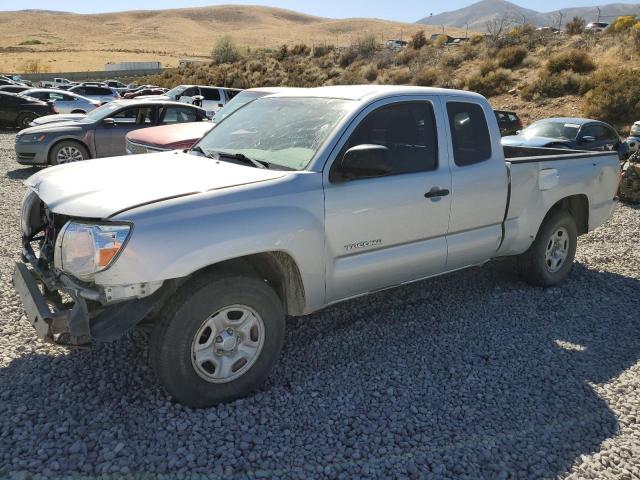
549, 259
185, 335
68, 151
24, 120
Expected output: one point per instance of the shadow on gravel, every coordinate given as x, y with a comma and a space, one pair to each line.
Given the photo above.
475, 374
22, 173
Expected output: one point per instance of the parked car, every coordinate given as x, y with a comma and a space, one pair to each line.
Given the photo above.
57, 83
185, 135
573, 133
13, 88
284, 214
101, 133
56, 118
146, 92
97, 93
17, 111
6, 81
213, 98
396, 44
635, 130
63, 102
596, 27
509, 122
119, 86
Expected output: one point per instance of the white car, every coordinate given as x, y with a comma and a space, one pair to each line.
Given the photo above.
101, 94
211, 99
63, 102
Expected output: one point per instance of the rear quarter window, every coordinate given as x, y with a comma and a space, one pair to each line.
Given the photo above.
469, 133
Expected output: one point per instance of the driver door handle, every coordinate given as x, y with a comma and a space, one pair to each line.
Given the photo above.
436, 192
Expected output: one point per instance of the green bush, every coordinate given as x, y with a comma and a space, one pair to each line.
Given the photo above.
511, 57
614, 96
575, 26
418, 40
556, 85
493, 83
573, 60
225, 51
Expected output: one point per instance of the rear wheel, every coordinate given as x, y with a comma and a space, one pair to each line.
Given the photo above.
218, 339
24, 120
549, 259
67, 152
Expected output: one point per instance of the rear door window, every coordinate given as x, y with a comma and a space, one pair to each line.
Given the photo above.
469, 133
210, 94
179, 115
134, 116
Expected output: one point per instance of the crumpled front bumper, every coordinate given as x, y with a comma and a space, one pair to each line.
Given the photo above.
78, 325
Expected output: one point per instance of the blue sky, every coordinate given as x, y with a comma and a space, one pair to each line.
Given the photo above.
401, 10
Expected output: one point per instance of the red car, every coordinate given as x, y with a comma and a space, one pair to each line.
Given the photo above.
179, 136
184, 135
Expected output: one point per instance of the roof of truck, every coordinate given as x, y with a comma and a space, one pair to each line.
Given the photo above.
360, 92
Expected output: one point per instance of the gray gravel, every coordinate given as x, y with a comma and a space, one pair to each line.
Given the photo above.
473, 375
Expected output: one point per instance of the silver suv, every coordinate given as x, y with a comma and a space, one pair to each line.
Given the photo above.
63, 102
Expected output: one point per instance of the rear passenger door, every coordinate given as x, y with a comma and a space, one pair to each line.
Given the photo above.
479, 182
602, 137
384, 231
212, 101
110, 137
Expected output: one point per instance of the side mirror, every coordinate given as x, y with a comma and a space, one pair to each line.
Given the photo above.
365, 161
109, 122
587, 139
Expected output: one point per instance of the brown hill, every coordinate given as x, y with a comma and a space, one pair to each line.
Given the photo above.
86, 42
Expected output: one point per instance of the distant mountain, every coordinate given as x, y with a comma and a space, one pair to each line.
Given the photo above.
477, 15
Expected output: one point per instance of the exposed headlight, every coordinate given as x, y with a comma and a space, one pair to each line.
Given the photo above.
38, 137
84, 248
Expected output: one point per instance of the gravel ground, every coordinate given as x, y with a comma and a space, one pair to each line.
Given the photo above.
473, 375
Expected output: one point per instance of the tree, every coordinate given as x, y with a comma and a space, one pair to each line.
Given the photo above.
418, 40
225, 50
575, 26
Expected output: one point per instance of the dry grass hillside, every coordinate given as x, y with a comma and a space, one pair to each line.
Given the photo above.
538, 74
74, 42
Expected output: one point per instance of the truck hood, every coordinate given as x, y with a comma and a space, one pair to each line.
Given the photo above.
522, 141
102, 187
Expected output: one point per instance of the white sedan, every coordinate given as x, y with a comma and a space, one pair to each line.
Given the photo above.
63, 102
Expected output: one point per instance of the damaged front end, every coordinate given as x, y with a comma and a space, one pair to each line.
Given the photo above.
63, 308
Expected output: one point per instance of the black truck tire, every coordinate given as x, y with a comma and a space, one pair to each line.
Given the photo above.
201, 346
549, 259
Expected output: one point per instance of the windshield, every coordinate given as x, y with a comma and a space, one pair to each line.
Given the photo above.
281, 131
102, 112
175, 91
563, 130
238, 101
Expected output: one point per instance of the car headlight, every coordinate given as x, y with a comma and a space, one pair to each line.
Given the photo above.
86, 248
37, 137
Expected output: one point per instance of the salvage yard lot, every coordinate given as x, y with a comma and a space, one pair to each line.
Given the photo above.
475, 374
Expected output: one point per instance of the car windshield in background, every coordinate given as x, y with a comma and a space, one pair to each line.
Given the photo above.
285, 132
240, 100
175, 91
566, 131
102, 112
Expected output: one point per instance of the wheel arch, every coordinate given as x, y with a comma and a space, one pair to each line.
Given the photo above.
277, 268
578, 206
66, 139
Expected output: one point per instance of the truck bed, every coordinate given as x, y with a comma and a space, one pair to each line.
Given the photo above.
538, 180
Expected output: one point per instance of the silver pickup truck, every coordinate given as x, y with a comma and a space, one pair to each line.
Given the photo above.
297, 201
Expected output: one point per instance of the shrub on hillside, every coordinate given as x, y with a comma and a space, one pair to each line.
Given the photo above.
300, 49
493, 83
370, 73
367, 45
614, 97
622, 24
418, 40
322, 50
555, 85
225, 50
574, 60
426, 77
511, 57
400, 77
406, 56
347, 57
575, 26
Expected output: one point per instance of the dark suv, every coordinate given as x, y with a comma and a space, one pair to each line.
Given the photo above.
19, 112
509, 122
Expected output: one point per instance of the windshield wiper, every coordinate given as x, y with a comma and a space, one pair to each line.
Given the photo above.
243, 158
199, 149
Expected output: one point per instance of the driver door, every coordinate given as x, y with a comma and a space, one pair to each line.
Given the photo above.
387, 230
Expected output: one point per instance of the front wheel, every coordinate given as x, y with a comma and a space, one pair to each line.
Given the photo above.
549, 259
67, 152
217, 339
